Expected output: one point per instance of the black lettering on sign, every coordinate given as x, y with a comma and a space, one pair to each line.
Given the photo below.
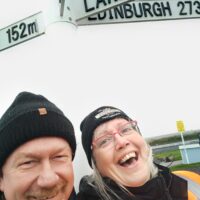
135, 10
22, 27
118, 11
104, 2
197, 7
166, 9
102, 15
99, 3
86, 7
182, 5
21, 31
147, 9
128, 13
157, 10
138, 12
189, 7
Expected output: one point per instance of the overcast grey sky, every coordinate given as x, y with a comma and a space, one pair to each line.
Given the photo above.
149, 69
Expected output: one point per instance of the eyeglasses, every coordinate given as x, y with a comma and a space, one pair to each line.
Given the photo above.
107, 139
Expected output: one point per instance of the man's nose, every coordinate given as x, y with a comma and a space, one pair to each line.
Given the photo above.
47, 177
120, 142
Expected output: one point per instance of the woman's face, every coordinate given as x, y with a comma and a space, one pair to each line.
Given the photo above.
124, 159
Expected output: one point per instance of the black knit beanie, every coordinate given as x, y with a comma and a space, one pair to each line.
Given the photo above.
94, 119
31, 116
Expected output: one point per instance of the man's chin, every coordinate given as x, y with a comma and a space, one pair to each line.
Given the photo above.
44, 196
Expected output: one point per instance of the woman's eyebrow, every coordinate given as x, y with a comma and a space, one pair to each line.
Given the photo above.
101, 133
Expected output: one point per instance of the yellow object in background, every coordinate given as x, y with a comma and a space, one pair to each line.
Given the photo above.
180, 126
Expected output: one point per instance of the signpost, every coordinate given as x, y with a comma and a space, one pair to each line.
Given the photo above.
146, 10
61, 10
86, 8
22, 31
90, 12
181, 128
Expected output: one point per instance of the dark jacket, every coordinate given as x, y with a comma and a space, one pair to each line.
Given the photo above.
166, 186
73, 195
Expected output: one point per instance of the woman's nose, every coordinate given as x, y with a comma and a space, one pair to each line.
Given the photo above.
47, 177
120, 142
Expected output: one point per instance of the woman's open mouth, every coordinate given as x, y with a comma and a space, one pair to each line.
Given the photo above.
128, 159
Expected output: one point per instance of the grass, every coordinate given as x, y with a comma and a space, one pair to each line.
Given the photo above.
186, 166
191, 135
174, 154
177, 156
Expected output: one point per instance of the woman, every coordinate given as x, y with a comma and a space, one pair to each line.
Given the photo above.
122, 162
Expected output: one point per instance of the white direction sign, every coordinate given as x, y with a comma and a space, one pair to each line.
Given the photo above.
89, 12
84, 8
59, 10
22, 31
146, 10
75, 10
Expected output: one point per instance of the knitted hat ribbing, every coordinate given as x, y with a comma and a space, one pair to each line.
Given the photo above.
94, 119
31, 116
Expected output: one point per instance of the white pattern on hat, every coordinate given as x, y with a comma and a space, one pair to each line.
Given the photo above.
107, 113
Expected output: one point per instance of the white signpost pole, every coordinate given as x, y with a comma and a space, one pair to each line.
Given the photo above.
186, 155
181, 129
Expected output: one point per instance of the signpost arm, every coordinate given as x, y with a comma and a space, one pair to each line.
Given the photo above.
85, 8
91, 12
186, 155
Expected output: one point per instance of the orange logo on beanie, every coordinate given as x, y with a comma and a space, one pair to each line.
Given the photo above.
42, 111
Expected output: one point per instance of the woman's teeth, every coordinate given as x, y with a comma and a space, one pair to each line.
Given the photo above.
127, 157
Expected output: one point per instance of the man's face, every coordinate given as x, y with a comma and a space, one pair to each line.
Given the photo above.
41, 169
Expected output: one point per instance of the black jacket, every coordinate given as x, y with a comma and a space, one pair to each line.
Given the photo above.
166, 186
73, 195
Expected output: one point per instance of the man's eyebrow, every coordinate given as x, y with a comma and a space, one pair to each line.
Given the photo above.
26, 155
62, 149
37, 154
23, 155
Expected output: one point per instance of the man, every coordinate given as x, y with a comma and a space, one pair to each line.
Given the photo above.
37, 147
